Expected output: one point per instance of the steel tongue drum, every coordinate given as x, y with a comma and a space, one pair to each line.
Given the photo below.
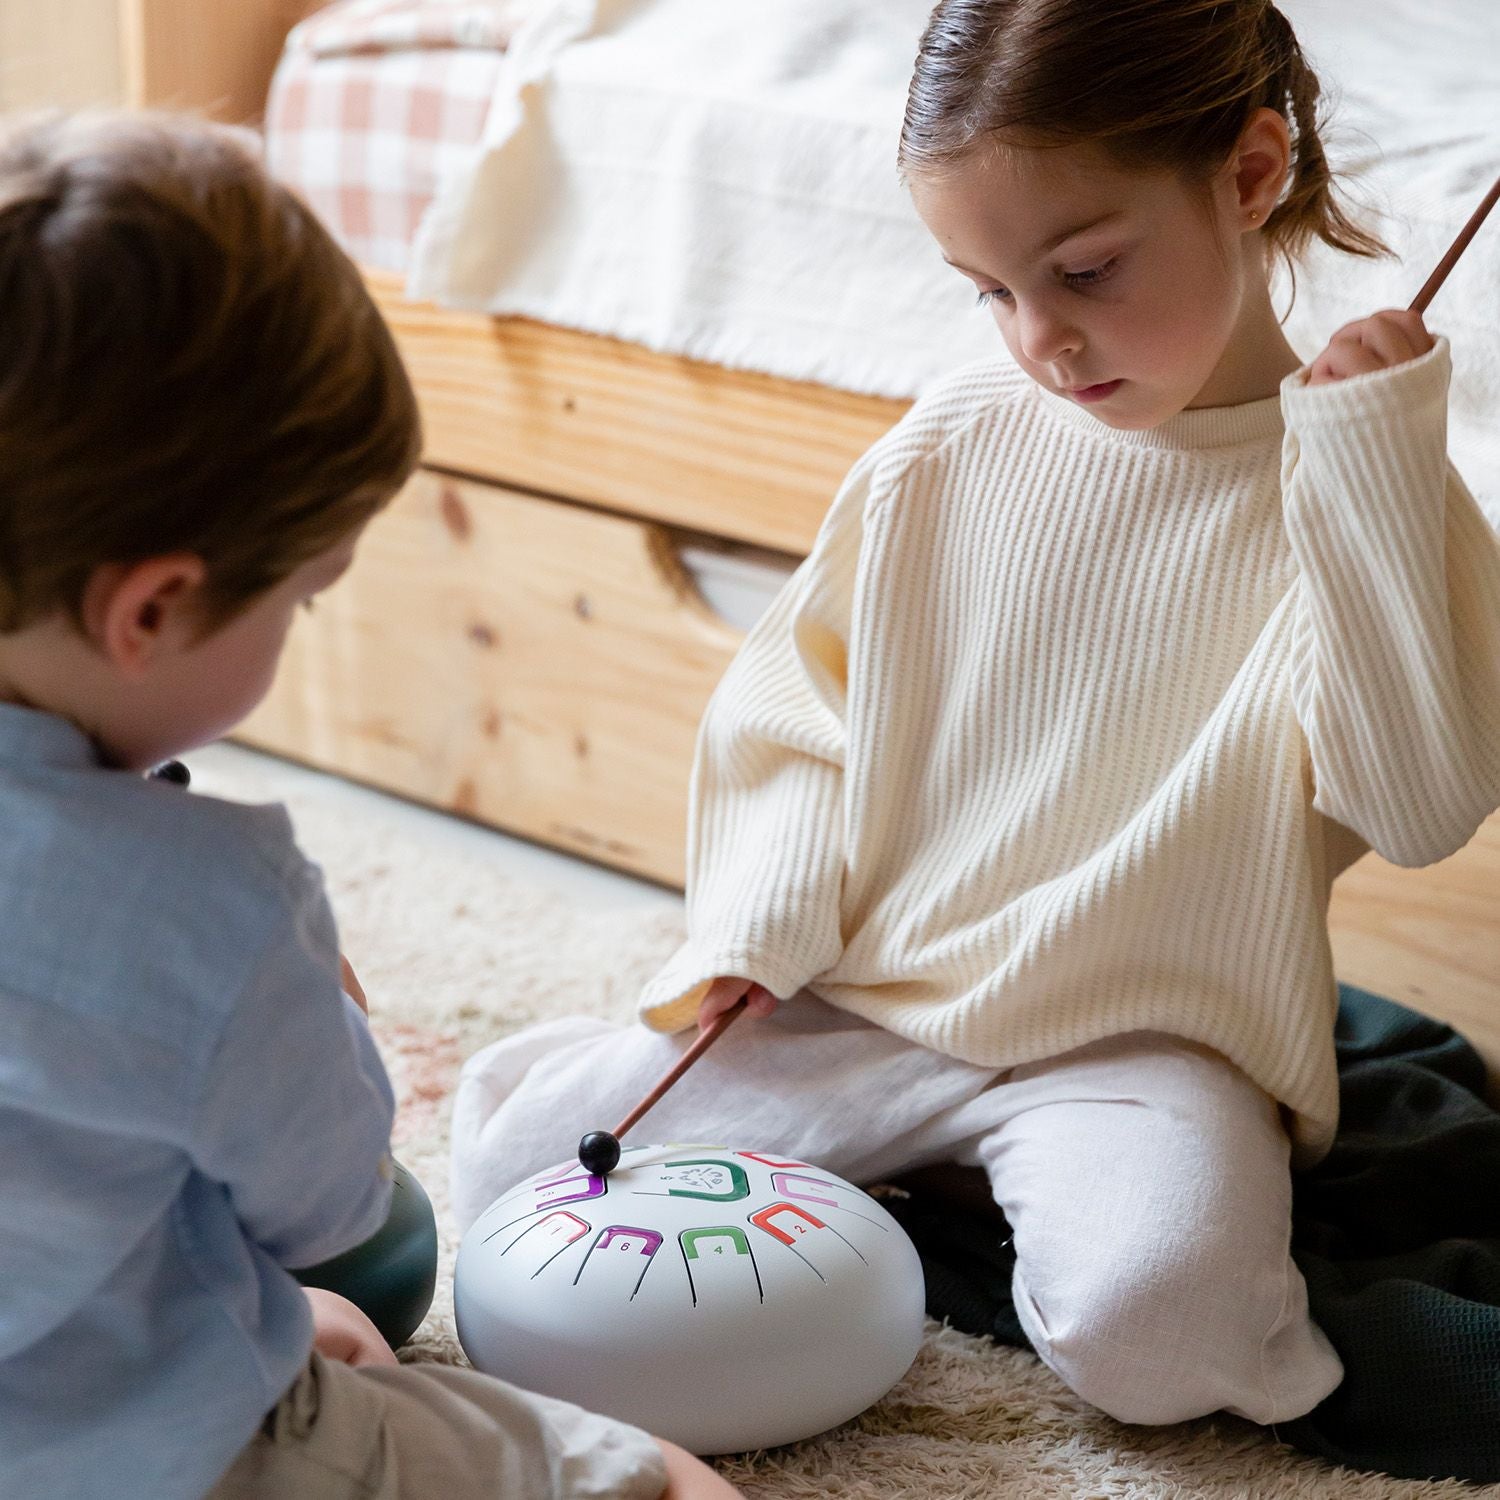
725, 1300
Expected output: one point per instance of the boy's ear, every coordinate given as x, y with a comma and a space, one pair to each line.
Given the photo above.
132, 610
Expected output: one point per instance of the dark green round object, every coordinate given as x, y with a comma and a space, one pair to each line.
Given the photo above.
392, 1276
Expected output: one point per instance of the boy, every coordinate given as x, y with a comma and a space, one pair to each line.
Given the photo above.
200, 409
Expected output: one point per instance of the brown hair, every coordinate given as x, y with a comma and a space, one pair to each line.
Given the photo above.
1159, 85
188, 363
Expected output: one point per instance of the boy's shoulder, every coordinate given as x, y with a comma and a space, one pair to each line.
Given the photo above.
135, 903
966, 404
185, 841
239, 856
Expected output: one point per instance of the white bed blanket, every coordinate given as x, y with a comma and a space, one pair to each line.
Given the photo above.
716, 180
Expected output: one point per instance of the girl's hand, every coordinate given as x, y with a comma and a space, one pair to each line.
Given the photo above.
724, 994
1375, 343
342, 1332
352, 987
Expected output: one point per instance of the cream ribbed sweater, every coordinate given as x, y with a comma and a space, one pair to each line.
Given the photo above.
1062, 731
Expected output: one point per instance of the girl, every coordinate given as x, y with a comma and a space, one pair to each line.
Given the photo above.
1027, 794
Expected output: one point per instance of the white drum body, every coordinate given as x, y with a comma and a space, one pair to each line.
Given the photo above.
725, 1300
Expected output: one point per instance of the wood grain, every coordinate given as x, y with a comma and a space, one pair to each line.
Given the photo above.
739, 455
213, 56
1429, 938
525, 663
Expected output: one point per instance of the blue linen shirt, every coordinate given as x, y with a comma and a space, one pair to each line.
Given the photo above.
188, 1106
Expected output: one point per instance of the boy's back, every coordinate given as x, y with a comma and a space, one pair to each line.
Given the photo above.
187, 1100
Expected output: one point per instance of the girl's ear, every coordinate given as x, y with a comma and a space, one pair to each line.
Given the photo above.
1260, 162
133, 611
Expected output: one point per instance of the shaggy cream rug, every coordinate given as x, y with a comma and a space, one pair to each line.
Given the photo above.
453, 954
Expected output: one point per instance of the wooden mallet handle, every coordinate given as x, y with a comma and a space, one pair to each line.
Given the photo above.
1446, 264
717, 1028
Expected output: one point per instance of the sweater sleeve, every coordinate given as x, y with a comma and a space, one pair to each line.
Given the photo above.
765, 855
1397, 654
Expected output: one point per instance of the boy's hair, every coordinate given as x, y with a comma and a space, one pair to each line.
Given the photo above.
187, 363
1159, 85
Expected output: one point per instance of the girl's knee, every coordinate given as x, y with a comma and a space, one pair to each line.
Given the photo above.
1152, 1340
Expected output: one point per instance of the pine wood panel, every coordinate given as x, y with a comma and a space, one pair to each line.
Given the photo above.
737, 454
215, 56
1428, 938
526, 663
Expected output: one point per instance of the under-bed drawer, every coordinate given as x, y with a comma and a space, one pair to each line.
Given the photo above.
731, 453
526, 662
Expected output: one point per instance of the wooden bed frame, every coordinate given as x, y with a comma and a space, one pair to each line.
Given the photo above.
518, 642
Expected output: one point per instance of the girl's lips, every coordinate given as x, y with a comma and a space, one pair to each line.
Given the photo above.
1095, 392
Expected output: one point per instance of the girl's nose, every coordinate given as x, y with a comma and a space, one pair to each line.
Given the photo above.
1044, 337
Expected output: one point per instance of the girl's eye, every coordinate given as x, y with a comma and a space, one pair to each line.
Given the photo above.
1094, 276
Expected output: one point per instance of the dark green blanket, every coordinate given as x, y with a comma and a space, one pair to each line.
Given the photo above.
1397, 1232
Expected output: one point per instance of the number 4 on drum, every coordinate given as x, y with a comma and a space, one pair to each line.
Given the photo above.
717, 1260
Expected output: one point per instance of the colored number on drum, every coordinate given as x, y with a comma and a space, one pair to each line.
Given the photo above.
791, 1213
718, 1259
628, 1241
702, 1177
566, 1190
769, 1161
782, 1181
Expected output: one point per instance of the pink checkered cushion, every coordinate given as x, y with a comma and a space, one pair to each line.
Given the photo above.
373, 102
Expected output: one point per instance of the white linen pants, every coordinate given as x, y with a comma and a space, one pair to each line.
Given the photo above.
1145, 1177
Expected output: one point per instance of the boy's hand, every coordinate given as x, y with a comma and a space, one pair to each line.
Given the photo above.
1375, 343
724, 994
689, 1478
342, 1332
352, 987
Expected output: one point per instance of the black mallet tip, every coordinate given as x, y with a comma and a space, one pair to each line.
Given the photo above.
599, 1153
173, 771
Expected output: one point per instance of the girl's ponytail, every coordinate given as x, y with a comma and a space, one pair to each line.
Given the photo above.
1308, 209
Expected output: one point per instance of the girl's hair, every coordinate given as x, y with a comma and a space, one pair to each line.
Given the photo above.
187, 361
1159, 85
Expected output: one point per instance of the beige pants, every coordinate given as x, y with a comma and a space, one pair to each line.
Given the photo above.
432, 1432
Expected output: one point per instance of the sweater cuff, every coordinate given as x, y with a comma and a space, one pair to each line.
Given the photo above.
670, 1001
1374, 396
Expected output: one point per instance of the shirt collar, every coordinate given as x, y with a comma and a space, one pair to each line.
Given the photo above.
29, 736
